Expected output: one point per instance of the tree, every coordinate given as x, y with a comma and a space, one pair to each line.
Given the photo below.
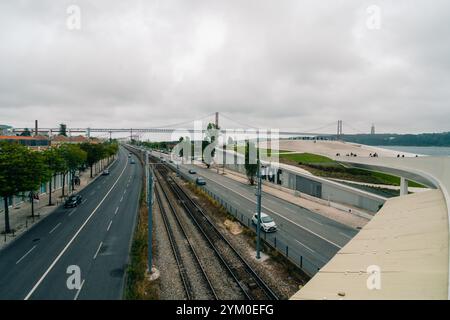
21, 170
94, 153
251, 167
74, 158
26, 133
55, 164
63, 129
36, 175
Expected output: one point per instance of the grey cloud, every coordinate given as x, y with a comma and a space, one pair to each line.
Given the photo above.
292, 64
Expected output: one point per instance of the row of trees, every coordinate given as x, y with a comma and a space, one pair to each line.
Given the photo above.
23, 170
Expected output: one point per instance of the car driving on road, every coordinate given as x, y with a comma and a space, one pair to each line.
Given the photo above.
267, 223
200, 181
73, 201
192, 171
105, 172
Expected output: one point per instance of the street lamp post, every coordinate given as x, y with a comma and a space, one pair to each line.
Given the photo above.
258, 210
149, 180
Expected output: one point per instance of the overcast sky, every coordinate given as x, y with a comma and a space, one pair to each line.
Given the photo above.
278, 63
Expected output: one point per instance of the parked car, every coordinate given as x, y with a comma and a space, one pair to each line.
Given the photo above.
105, 172
73, 201
200, 181
192, 171
132, 161
129, 155
267, 223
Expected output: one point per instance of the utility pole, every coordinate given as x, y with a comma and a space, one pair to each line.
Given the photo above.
149, 179
258, 211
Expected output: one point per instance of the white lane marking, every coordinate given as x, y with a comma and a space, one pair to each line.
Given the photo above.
117, 210
98, 250
23, 257
281, 216
92, 193
303, 245
312, 220
79, 290
109, 226
71, 212
125, 191
345, 235
289, 209
73, 238
84, 201
54, 228
121, 199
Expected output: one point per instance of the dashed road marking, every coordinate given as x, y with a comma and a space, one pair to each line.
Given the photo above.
54, 228
24, 256
109, 226
55, 261
79, 290
98, 250
315, 221
303, 245
345, 235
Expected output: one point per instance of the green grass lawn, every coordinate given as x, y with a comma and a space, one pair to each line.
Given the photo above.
308, 158
328, 168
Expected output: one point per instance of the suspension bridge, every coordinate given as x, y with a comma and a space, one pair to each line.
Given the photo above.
168, 129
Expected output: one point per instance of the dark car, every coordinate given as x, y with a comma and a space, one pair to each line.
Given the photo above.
192, 171
72, 201
200, 181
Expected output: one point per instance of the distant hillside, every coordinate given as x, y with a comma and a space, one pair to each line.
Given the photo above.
417, 140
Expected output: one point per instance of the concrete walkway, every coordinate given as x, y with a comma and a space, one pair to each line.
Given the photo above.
402, 253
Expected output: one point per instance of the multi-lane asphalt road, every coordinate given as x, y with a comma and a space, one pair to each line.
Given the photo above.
313, 236
94, 237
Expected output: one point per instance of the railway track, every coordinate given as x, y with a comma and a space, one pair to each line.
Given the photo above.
193, 275
246, 278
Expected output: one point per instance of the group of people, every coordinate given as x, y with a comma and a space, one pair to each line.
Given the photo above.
347, 155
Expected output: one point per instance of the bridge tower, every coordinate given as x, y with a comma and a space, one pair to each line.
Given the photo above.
217, 119
339, 130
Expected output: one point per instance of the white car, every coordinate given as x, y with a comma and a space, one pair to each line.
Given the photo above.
267, 223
